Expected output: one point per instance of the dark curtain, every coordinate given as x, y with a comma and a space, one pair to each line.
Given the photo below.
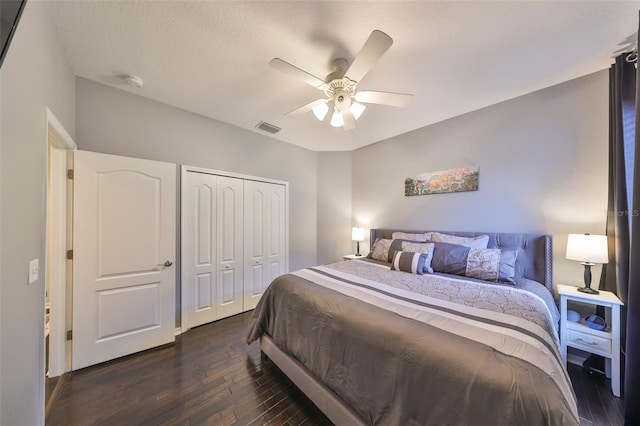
632, 302
622, 274
622, 115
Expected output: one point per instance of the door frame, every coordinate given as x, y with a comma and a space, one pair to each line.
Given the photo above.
182, 212
57, 145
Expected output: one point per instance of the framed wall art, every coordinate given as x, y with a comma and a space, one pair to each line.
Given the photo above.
445, 181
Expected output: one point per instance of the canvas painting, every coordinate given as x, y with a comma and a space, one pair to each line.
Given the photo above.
455, 180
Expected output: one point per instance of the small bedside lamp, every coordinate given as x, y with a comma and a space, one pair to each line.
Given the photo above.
589, 250
357, 234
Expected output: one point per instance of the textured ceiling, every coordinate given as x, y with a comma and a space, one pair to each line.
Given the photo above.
211, 57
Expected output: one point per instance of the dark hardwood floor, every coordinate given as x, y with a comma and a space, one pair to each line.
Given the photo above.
210, 376
596, 404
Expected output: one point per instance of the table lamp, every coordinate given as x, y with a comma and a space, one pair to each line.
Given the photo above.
589, 250
357, 234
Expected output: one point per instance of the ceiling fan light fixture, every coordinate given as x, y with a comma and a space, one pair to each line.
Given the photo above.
357, 109
340, 86
336, 119
320, 110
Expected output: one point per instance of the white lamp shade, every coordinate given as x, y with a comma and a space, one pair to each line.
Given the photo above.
320, 110
336, 119
357, 109
587, 248
357, 234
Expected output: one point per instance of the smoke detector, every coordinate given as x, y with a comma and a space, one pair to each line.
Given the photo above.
134, 81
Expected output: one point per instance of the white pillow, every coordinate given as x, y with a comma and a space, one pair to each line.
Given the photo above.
411, 237
481, 241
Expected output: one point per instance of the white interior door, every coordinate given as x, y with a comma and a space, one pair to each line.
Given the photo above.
229, 246
198, 260
264, 238
124, 232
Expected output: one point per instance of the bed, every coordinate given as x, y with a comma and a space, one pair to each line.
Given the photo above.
372, 345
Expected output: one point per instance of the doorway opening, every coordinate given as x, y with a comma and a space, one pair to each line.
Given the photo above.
58, 148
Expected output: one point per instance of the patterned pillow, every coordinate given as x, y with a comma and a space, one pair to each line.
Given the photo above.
409, 262
481, 241
381, 250
492, 264
426, 248
496, 265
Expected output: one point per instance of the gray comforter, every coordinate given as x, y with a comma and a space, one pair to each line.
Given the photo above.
399, 357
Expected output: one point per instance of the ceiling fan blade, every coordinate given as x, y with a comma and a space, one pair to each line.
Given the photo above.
349, 120
375, 46
294, 71
305, 108
384, 98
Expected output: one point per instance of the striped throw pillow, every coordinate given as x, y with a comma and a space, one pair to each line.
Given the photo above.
409, 262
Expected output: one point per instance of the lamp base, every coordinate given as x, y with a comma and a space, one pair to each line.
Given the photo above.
587, 279
588, 290
358, 254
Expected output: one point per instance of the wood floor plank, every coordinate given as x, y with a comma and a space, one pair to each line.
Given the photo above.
210, 376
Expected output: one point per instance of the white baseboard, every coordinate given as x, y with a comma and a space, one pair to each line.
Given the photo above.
178, 331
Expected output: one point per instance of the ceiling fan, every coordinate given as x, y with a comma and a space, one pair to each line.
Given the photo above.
340, 86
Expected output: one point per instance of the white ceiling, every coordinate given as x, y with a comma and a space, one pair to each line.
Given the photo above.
211, 57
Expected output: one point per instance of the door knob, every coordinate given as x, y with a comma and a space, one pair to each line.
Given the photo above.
167, 263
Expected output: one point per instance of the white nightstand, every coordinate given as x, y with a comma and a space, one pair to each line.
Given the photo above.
352, 257
600, 342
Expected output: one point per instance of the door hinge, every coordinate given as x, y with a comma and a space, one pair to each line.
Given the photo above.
70, 174
69, 254
69, 334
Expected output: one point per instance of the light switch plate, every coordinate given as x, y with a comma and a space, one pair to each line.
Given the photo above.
34, 270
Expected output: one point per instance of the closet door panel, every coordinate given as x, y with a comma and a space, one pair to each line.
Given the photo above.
264, 238
254, 242
198, 249
276, 219
229, 246
204, 293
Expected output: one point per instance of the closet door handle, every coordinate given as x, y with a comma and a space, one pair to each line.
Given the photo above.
166, 263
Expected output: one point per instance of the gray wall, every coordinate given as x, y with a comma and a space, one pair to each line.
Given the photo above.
116, 122
543, 168
334, 206
35, 75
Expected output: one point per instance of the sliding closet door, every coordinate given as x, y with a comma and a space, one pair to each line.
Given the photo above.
229, 246
264, 238
199, 263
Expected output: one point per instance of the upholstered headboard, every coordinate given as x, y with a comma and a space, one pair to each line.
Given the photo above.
535, 257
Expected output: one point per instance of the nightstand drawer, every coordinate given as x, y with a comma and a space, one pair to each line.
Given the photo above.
588, 341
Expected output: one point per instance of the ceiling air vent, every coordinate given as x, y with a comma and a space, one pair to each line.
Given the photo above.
269, 128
